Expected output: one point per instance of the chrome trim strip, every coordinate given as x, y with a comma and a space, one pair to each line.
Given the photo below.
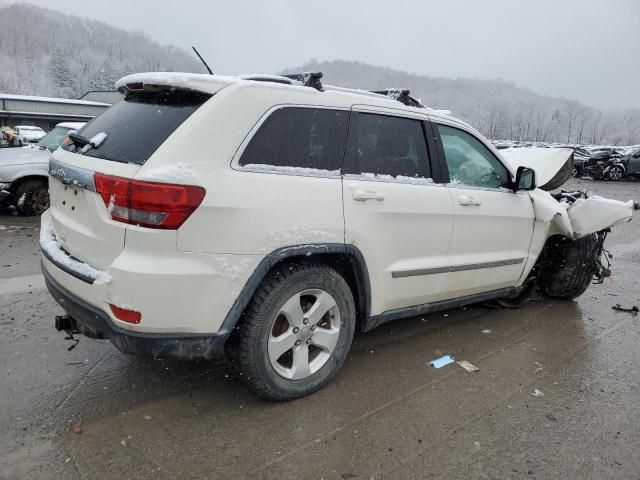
475, 266
419, 271
455, 268
70, 175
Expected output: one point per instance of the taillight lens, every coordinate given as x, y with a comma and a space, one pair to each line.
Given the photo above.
148, 204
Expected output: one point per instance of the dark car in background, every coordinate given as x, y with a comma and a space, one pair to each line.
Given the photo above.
626, 166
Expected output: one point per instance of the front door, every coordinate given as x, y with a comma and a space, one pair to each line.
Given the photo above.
493, 226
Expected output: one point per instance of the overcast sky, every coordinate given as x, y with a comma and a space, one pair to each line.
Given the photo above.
588, 50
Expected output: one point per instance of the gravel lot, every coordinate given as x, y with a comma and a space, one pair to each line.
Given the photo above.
386, 415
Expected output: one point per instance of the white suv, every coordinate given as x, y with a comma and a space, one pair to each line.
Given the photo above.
271, 217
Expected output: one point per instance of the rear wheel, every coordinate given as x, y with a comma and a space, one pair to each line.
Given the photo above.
32, 197
296, 332
567, 267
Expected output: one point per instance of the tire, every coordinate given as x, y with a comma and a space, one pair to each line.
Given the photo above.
574, 172
568, 266
616, 173
32, 197
276, 312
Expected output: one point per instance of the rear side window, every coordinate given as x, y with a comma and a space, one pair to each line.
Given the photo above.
385, 145
138, 125
299, 137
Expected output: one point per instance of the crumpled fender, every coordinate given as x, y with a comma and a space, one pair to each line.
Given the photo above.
583, 217
596, 213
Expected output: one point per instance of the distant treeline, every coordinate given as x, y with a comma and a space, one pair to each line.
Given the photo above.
500, 110
47, 53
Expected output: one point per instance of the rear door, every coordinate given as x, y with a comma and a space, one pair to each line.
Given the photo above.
124, 137
395, 211
493, 226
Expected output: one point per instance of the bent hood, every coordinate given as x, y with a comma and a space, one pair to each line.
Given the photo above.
553, 166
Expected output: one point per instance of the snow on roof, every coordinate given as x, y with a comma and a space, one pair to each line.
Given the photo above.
30, 98
203, 82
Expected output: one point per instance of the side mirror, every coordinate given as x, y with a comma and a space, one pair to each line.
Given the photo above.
525, 179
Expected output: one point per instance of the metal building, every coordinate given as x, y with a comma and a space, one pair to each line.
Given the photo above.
46, 112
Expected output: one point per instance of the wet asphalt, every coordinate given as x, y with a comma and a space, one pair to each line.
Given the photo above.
385, 416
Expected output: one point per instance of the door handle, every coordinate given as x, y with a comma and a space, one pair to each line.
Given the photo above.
364, 195
466, 201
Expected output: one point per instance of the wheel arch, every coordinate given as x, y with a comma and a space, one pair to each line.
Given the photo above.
31, 176
346, 259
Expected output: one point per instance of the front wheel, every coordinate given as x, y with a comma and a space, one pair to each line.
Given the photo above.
296, 332
567, 267
32, 197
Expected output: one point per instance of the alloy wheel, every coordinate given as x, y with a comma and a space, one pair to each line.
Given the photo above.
304, 334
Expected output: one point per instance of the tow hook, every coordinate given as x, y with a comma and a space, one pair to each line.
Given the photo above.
66, 324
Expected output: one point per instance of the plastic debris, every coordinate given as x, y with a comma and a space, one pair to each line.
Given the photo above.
537, 393
620, 308
468, 366
441, 362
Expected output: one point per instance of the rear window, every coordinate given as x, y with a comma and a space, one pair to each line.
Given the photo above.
299, 137
386, 145
138, 125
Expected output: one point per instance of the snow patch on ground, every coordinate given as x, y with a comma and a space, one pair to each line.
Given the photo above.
50, 245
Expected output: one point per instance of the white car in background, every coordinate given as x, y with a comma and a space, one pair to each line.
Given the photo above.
270, 218
24, 172
25, 134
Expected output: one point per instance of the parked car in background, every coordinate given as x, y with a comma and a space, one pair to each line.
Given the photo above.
25, 134
600, 161
580, 156
6, 137
626, 166
24, 171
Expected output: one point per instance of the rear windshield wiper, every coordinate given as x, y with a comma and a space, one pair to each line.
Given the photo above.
78, 140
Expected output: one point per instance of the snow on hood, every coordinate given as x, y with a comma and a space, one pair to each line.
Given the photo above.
553, 166
24, 155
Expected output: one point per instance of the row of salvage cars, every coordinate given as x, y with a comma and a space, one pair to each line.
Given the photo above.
606, 163
595, 162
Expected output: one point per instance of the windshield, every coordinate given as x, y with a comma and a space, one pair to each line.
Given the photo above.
53, 139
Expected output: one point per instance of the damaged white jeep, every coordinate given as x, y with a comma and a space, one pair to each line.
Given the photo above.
270, 217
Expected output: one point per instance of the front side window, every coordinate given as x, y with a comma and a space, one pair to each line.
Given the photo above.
299, 137
52, 140
470, 162
386, 145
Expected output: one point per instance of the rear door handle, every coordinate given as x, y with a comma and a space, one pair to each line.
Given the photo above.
364, 195
466, 201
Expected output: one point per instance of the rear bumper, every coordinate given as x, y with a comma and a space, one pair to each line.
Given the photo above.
95, 323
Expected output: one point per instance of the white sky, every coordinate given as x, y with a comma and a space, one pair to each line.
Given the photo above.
588, 50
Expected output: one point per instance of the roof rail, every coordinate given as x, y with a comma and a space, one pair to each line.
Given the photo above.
260, 77
308, 79
401, 95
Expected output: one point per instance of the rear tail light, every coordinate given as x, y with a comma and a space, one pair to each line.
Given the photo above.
148, 204
126, 315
